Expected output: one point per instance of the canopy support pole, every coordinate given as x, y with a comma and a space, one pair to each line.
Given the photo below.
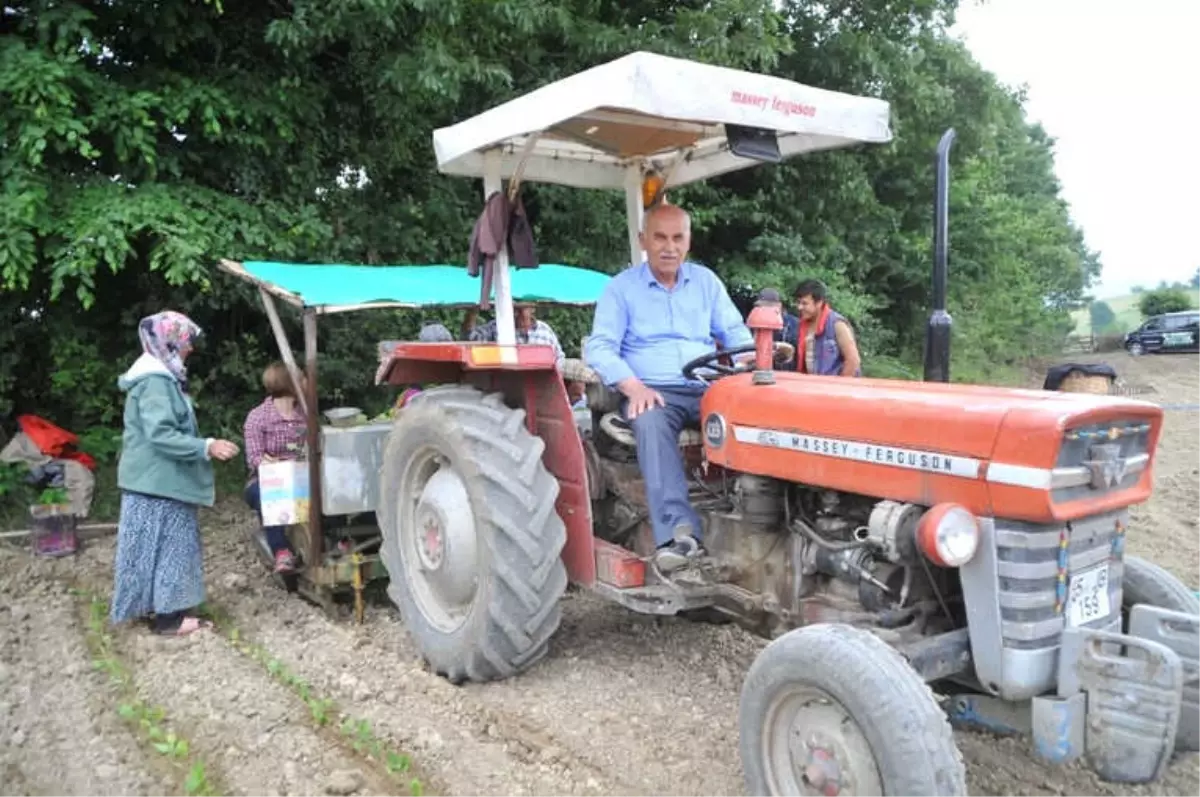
316, 536
285, 348
506, 330
633, 212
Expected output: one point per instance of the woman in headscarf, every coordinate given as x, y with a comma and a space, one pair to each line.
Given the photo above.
165, 474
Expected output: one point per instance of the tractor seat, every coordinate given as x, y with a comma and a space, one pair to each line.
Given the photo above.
616, 427
606, 402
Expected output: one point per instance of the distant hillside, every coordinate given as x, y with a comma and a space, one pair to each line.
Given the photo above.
1125, 308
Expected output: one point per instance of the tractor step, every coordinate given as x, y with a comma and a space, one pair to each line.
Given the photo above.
663, 599
1133, 690
991, 714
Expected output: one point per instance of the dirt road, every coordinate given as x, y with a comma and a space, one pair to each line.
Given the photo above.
289, 701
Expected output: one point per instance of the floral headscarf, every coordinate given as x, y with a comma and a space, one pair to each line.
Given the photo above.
168, 337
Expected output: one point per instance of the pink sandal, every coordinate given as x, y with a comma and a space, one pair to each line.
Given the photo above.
188, 625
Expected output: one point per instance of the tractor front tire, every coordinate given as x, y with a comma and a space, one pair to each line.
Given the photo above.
832, 709
471, 539
1146, 582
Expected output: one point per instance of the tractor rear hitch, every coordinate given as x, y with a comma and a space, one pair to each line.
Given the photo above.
937, 335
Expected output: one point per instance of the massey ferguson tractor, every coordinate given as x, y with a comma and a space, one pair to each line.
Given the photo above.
888, 535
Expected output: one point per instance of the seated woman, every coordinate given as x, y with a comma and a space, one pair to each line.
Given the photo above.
275, 430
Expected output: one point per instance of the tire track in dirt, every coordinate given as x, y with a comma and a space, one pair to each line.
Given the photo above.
59, 728
623, 704
465, 745
237, 715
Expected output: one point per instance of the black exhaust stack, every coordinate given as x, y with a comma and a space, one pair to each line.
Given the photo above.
937, 335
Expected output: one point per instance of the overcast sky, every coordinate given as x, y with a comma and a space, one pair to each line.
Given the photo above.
1118, 85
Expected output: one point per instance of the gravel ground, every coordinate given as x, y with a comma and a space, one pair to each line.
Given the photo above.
623, 704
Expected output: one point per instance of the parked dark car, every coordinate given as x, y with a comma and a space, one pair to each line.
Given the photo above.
1166, 332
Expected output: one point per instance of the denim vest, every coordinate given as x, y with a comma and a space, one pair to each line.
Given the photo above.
827, 355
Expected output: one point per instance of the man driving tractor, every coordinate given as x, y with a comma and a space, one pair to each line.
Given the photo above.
651, 320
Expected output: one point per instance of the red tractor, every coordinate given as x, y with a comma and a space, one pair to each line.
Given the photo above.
887, 534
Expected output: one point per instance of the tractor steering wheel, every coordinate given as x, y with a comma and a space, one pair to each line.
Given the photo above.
783, 352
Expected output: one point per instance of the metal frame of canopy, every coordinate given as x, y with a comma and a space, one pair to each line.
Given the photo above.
608, 126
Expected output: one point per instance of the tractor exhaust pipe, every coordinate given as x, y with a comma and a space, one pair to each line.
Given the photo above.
937, 334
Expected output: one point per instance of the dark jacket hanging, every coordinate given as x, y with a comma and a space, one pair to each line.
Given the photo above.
502, 223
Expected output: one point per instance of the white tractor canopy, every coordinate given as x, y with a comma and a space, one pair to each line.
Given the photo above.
653, 111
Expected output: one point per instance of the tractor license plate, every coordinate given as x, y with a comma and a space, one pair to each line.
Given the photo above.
1087, 596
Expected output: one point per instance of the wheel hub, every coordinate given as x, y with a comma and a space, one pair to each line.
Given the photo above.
430, 544
437, 531
821, 771
815, 747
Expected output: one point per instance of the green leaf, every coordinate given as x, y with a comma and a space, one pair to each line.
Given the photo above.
197, 780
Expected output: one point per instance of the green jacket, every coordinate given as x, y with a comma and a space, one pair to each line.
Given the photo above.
161, 452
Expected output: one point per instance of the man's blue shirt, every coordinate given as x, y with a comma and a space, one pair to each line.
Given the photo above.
642, 329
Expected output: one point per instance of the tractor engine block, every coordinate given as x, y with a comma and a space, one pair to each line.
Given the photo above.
798, 556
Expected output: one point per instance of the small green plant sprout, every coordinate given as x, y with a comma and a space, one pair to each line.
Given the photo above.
396, 763
320, 710
196, 782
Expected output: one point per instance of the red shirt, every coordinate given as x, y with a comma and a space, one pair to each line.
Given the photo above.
268, 433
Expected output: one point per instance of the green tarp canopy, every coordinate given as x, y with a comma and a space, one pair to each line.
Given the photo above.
334, 288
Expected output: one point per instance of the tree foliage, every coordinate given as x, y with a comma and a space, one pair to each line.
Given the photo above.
142, 142
1164, 300
1102, 316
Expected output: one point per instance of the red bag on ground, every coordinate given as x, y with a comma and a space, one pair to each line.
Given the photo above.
53, 441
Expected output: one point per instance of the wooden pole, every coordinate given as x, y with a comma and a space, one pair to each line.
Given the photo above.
315, 534
285, 347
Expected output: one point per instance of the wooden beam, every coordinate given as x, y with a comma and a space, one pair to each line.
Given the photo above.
285, 347
84, 531
238, 270
316, 536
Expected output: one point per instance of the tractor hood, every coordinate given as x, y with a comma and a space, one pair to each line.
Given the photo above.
1024, 454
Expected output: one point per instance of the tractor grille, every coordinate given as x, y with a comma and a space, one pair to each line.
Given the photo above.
1034, 566
1100, 459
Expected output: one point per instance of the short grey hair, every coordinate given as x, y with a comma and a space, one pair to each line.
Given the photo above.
435, 333
665, 207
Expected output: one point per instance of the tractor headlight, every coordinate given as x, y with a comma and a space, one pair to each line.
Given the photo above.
948, 534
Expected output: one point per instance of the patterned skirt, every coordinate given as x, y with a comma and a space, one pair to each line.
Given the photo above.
159, 566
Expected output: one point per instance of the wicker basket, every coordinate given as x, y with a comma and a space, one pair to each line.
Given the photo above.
1079, 382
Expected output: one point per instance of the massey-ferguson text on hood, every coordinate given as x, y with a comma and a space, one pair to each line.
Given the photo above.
1031, 455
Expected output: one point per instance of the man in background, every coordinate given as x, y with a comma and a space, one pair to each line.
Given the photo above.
530, 329
824, 341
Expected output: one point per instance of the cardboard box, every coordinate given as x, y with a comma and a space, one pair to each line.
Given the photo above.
283, 490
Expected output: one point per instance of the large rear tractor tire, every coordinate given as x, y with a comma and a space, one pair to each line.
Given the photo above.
832, 709
471, 539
